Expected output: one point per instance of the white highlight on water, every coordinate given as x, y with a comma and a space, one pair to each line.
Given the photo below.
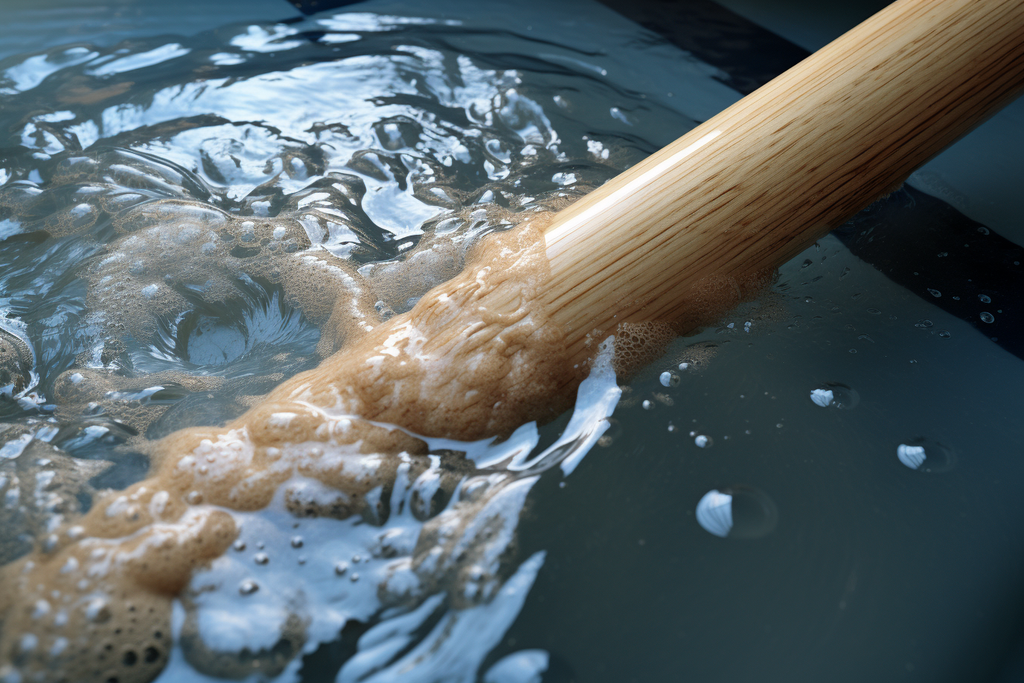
714, 512
911, 456
822, 397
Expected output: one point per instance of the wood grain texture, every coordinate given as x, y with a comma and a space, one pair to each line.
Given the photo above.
694, 224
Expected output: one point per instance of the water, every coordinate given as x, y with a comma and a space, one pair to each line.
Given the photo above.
177, 214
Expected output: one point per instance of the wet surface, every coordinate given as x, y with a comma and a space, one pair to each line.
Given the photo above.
179, 215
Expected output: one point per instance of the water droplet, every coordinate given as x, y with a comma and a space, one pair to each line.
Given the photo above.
648, 405
248, 587
945, 334
737, 512
926, 455
923, 324
354, 577
703, 441
341, 568
260, 558
296, 541
987, 317
983, 230
806, 263
934, 292
356, 559
984, 298
835, 395
874, 311
194, 498
238, 545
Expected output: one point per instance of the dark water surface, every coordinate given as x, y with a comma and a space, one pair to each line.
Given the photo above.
163, 194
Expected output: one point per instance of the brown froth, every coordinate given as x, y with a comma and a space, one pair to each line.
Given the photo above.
476, 357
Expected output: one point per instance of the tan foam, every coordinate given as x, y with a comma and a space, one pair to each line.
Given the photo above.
472, 359
39, 490
16, 362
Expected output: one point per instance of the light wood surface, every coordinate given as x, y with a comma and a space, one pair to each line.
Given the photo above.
693, 226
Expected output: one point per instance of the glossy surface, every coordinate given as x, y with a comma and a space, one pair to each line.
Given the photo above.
920, 569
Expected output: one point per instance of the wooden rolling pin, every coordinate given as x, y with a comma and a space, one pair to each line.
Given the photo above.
693, 225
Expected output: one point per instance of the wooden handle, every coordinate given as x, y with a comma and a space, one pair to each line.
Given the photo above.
693, 225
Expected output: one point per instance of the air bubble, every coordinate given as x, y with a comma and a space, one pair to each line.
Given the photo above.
945, 334
737, 512
341, 568
934, 292
987, 317
248, 587
297, 541
665, 379
702, 441
648, 405
984, 298
923, 324
926, 455
260, 558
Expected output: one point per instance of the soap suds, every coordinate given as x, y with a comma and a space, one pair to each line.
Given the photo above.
471, 360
